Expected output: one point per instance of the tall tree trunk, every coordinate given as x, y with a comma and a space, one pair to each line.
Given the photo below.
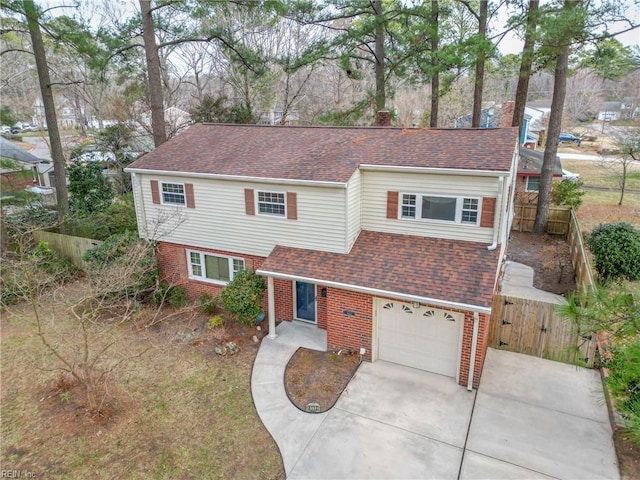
525, 65
479, 80
57, 155
435, 74
380, 74
553, 134
153, 74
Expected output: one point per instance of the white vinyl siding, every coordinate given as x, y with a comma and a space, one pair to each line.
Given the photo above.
220, 221
375, 186
353, 209
213, 268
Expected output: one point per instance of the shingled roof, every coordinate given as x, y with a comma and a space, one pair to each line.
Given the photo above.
440, 269
326, 154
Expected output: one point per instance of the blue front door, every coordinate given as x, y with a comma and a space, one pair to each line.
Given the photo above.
306, 301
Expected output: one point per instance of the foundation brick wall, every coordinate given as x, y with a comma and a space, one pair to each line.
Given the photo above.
481, 348
172, 261
353, 332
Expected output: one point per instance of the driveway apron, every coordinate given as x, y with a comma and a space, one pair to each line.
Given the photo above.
531, 418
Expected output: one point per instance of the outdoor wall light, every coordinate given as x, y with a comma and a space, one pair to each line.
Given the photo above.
323, 292
415, 304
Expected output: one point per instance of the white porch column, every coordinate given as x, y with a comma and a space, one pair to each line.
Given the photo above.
271, 299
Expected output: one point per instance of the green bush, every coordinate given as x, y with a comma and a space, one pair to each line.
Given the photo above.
616, 247
207, 303
567, 193
624, 381
242, 297
173, 295
118, 217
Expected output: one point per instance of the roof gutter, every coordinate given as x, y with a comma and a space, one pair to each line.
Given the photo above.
238, 178
376, 291
435, 171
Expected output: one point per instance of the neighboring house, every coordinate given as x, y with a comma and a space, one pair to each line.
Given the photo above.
274, 117
529, 172
618, 110
496, 116
389, 239
13, 175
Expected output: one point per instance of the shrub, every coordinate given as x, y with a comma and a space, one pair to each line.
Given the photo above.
125, 260
242, 297
567, 193
624, 381
118, 217
616, 247
207, 303
173, 295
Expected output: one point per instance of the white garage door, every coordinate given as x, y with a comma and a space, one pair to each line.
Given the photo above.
424, 338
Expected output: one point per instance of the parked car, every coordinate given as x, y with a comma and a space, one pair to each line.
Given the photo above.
567, 175
5, 129
569, 138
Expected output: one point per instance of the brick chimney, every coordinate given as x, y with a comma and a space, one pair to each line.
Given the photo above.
506, 114
383, 118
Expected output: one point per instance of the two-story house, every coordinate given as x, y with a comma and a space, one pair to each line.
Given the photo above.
390, 239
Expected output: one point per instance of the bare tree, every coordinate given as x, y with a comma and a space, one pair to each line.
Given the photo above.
628, 144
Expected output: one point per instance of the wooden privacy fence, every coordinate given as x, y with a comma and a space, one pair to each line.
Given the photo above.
579, 257
557, 222
68, 246
533, 327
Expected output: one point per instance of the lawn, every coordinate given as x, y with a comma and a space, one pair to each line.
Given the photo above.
178, 410
601, 206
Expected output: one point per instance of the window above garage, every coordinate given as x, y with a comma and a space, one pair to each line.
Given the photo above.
464, 210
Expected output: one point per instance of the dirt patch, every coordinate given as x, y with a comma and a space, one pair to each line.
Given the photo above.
314, 377
628, 455
550, 258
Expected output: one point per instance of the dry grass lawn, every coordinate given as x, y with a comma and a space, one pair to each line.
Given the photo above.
601, 206
178, 411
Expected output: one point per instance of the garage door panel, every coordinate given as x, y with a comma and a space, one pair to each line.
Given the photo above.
421, 338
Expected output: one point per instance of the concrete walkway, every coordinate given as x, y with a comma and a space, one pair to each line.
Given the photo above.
530, 418
518, 282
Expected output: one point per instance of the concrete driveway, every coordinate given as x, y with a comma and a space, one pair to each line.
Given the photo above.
531, 418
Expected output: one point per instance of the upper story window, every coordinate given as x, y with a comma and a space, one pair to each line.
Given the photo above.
173, 194
533, 184
213, 268
271, 203
464, 210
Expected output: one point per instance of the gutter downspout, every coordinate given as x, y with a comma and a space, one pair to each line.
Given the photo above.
496, 225
474, 346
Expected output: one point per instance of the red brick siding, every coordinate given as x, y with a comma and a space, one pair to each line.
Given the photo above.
522, 196
172, 262
481, 348
353, 332
283, 291
321, 307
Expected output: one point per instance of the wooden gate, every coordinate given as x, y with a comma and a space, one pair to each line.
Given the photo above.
532, 327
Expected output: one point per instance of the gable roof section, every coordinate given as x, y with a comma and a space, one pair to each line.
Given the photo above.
440, 269
530, 163
13, 152
326, 154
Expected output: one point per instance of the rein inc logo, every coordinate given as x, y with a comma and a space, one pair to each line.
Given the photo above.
17, 474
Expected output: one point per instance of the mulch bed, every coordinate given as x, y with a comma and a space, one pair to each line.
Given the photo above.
314, 377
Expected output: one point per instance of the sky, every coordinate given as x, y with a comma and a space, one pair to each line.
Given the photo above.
510, 44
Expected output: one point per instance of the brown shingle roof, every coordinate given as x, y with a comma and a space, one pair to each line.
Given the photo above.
326, 153
446, 270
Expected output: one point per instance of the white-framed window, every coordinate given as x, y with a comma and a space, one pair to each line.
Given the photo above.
213, 268
272, 203
173, 193
533, 184
465, 210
